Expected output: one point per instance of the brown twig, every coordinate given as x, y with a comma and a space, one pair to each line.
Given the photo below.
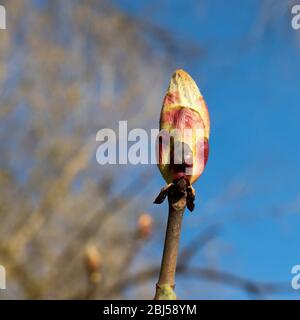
177, 198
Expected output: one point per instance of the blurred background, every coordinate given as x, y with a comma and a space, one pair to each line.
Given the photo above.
70, 228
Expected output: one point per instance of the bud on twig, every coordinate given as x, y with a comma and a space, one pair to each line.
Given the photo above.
93, 262
184, 116
144, 226
181, 162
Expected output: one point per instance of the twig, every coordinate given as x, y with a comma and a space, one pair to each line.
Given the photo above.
177, 198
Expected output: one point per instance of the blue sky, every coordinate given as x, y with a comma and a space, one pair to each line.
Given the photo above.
249, 75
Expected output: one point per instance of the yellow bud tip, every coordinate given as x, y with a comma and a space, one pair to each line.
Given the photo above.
181, 73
